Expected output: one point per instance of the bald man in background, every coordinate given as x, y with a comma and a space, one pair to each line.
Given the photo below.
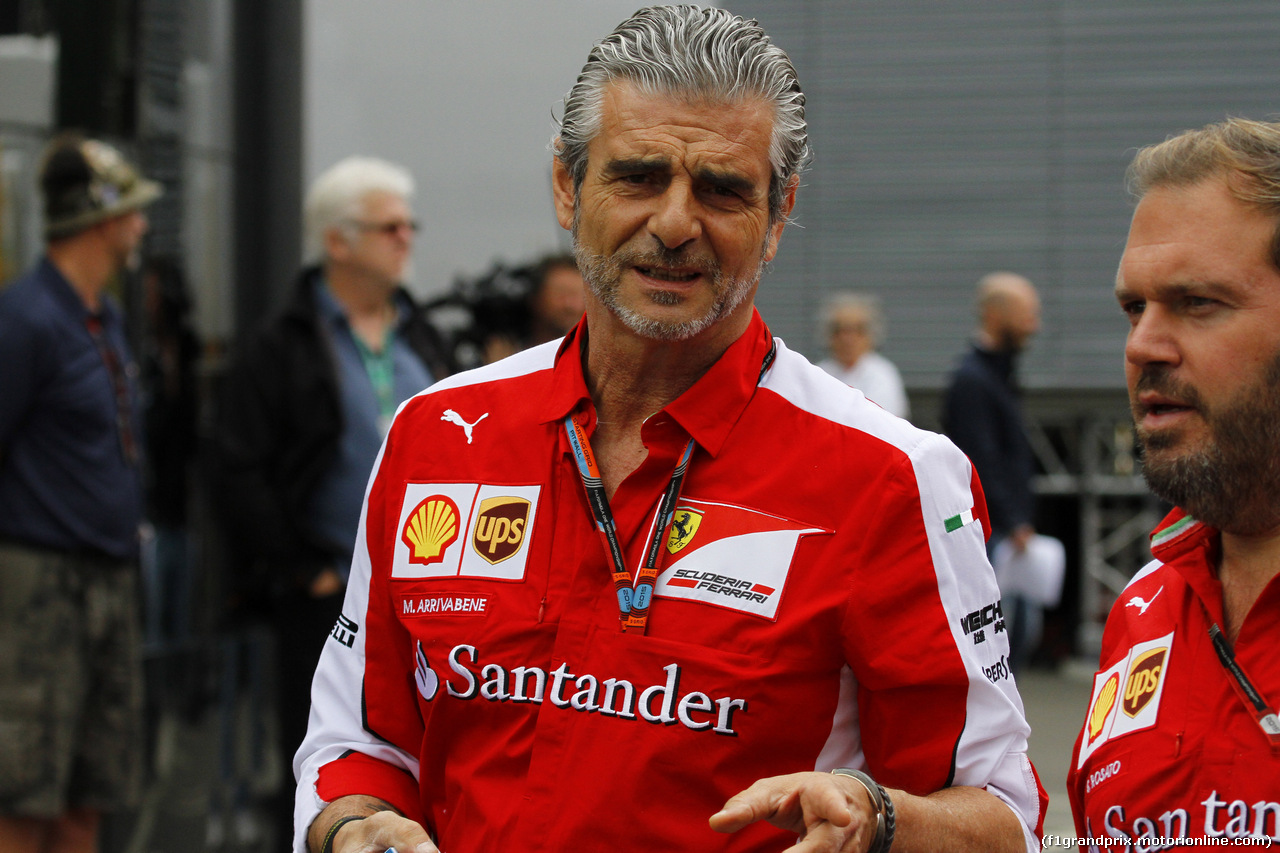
982, 414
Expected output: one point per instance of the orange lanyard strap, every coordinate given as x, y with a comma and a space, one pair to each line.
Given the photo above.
633, 600
1262, 711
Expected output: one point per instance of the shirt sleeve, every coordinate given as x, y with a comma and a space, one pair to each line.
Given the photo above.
925, 637
365, 727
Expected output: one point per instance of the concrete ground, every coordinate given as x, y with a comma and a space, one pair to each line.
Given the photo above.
1055, 703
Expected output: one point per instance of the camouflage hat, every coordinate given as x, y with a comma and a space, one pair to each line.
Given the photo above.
86, 181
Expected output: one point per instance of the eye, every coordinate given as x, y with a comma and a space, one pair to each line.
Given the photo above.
1133, 308
1200, 304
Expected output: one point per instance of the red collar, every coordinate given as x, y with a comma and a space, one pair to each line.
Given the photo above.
1178, 533
708, 411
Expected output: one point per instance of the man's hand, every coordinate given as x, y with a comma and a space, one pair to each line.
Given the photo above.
378, 831
831, 814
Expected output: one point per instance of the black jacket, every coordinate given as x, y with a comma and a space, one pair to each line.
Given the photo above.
982, 414
278, 427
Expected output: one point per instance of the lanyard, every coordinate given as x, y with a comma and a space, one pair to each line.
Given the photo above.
380, 367
634, 598
1249, 695
119, 389
633, 602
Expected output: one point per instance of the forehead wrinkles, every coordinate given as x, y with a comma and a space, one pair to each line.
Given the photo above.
638, 123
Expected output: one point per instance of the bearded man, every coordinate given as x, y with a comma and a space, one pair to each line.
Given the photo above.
1181, 737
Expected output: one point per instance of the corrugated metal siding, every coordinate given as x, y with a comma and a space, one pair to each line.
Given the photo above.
957, 138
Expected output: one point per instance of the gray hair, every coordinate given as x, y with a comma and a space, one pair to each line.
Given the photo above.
690, 51
335, 198
1245, 153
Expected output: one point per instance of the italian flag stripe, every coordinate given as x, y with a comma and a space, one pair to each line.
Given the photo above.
1173, 531
955, 522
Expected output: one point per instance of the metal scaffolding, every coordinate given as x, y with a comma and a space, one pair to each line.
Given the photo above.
1091, 485
1085, 446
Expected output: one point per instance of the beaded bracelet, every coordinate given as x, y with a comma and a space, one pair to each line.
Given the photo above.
327, 846
883, 805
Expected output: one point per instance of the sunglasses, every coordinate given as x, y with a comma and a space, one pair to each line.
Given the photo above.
391, 228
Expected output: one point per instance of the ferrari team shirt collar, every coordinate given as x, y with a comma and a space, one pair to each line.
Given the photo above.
708, 411
1180, 535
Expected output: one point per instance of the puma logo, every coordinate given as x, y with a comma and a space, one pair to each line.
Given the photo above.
454, 418
1142, 606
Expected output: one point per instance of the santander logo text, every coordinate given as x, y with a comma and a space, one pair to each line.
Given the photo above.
661, 703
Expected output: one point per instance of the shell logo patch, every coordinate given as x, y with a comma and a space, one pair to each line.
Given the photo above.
499, 529
432, 527
684, 526
460, 530
1102, 706
1134, 684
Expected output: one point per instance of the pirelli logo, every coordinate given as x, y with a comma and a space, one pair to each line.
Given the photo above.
459, 530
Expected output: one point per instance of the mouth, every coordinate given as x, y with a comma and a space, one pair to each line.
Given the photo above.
674, 276
1156, 411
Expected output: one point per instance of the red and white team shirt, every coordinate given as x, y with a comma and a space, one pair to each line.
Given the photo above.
824, 600
1169, 750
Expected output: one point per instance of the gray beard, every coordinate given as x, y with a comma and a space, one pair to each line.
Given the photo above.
603, 275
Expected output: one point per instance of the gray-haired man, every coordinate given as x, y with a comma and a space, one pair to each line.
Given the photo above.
607, 584
305, 406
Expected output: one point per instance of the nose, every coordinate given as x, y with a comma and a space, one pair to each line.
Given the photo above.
676, 220
1151, 340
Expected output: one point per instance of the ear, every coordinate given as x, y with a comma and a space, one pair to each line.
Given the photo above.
336, 246
788, 204
563, 193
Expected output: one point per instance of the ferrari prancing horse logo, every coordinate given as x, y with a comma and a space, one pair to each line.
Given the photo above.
683, 528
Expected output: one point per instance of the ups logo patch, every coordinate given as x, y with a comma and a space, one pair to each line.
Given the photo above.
499, 530
1144, 678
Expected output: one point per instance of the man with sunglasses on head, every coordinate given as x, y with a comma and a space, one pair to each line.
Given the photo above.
306, 405
71, 737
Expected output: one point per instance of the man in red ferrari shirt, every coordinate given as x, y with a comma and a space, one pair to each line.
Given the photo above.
646, 587
1181, 739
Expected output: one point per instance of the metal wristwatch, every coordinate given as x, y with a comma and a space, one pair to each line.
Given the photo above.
883, 805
